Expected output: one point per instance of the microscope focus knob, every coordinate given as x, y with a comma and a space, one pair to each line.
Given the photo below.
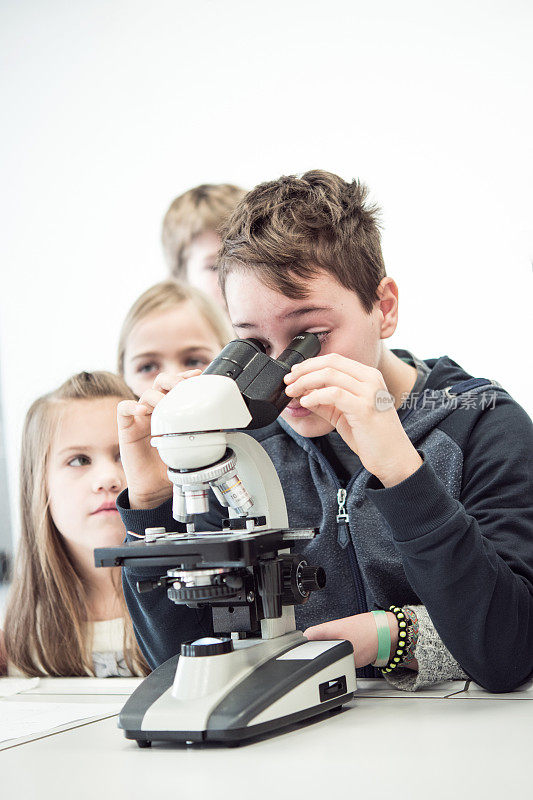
312, 578
299, 579
208, 646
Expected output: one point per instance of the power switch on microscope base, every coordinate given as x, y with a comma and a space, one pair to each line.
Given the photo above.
331, 689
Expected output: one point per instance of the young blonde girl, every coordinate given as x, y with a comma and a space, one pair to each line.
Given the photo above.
172, 327
65, 617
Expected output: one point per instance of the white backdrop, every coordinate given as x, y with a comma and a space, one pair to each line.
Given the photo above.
110, 109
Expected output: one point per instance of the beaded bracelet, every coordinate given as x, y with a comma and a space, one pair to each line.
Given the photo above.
412, 635
403, 626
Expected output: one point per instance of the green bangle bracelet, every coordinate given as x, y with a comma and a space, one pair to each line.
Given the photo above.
384, 640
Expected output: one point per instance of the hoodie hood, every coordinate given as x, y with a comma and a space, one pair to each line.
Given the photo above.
444, 371
447, 388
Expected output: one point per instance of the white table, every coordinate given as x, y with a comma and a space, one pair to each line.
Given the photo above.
445, 742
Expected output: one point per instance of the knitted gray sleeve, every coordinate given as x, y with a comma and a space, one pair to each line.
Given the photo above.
435, 662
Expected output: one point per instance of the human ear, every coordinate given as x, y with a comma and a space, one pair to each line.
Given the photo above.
387, 292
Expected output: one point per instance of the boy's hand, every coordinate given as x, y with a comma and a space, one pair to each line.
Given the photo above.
361, 631
146, 475
354, 399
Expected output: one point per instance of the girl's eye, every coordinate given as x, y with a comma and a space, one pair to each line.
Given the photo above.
145, 369
196, 363
322, 335
79, 461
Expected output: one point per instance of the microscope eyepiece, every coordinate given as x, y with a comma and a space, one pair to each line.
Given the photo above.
305, 345
260, 377
236, 357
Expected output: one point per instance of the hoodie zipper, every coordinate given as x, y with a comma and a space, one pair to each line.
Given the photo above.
343, 517
342, 520
342, 514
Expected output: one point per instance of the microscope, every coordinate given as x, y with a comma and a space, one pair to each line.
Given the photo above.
257, 674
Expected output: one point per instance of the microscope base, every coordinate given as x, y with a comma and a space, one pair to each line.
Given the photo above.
272, 685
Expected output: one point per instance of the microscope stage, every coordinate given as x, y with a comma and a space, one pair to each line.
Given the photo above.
207, 549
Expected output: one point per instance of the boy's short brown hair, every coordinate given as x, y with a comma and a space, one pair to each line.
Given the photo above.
285, 231
204, 208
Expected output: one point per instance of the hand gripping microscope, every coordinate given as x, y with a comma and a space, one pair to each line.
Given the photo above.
258, 673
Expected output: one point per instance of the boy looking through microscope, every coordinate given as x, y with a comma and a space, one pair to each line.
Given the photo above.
419, 477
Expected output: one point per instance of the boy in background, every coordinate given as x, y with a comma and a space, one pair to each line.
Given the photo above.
191, 234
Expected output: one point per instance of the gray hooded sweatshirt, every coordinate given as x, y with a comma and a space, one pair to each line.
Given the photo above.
454, 541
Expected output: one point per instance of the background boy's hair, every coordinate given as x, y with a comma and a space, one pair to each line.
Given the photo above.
165, 295
285, 231
46, 630
204, 208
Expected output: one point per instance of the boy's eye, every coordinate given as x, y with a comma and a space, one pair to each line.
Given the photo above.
79, 461
322, 335
211, 268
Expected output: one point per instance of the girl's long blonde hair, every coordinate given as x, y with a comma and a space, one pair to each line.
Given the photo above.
168, 294
46, 628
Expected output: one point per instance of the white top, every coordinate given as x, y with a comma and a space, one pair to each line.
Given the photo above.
108, 634
107, 650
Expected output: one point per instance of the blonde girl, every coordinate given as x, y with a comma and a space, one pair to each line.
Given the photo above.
65, 617
172, 327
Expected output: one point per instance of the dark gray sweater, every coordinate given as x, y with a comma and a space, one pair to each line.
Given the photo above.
456, 537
